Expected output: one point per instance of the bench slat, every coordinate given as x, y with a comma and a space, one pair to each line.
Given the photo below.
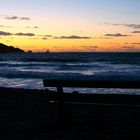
92, 84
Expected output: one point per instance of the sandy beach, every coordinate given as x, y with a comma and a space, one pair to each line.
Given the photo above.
29, 114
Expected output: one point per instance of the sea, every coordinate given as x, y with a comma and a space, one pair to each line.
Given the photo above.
27, 70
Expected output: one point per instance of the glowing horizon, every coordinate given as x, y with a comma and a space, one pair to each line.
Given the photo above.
76, 25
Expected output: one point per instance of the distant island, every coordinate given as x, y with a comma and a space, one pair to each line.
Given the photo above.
9, 49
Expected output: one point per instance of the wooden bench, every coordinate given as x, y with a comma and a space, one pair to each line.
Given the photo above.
96, 97
105, 99
60, 84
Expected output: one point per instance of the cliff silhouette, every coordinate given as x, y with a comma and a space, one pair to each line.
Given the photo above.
9, 49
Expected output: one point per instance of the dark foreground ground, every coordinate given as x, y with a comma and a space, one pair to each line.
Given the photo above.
28, 114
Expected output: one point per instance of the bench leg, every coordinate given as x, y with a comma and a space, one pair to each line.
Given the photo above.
64, 112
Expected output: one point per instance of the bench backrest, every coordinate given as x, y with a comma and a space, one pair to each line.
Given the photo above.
59, 84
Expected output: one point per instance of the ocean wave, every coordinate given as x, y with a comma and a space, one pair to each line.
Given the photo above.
38, 84
116, 58
90, 66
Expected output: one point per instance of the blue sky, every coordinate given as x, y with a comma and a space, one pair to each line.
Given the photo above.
106, 7
70, 17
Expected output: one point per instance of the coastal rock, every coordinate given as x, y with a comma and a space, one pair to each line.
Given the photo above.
9, 49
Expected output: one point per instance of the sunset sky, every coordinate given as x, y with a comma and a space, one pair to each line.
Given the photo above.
71, 25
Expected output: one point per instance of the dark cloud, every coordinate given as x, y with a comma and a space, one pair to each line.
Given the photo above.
11, 17
129, 48
34, 38
16, 18
34, 27
136, 32
2, 33
136, 43
135, 26
45, 38
117, 35
72, 37
47, 35
25, 34
106, 38
90, 47
4, 26
24, 18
